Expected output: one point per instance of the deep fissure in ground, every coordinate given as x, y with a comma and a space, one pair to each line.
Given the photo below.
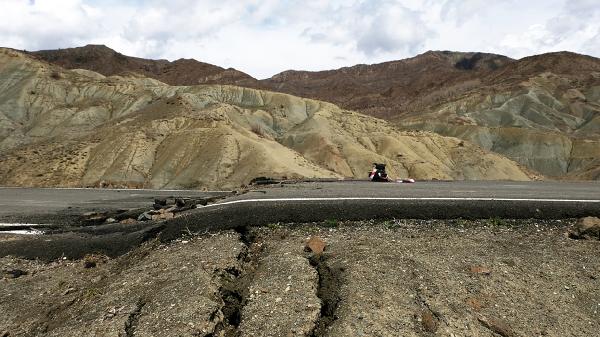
235, 285
327, 291
132, 319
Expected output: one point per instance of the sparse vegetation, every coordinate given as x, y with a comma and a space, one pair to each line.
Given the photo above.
391, 224
498, 222
331, 223
275, 225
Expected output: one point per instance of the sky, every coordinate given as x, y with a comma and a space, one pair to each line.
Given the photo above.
265, 37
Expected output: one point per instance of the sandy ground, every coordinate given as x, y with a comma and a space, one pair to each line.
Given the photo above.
396, 278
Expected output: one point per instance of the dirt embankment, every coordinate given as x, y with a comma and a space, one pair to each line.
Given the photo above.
410, 278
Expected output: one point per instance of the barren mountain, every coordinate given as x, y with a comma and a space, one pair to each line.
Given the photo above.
388, 89
108, 62
80, 128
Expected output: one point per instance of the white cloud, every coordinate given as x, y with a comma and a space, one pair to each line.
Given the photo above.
576, 27
263, 37
460, 10
373, 27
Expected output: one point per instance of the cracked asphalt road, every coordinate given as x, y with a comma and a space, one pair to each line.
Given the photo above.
289, 203
40, 204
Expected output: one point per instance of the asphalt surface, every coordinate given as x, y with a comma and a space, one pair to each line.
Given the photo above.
294, 203
56, 205
432, 189
313, 202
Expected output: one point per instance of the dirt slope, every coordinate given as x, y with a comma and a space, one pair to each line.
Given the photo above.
74, 128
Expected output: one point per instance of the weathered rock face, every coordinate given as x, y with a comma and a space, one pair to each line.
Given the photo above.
79, 128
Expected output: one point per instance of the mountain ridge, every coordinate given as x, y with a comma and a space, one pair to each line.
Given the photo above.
108, 62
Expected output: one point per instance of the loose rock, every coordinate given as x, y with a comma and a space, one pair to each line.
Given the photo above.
497, 325
128, 221
163, 216
587, 228
480, 270
91, 261
315, 244
145, 216
429, 321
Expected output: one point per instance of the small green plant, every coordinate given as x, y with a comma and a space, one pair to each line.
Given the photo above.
331, 223
274, 225
498, 222
391, 224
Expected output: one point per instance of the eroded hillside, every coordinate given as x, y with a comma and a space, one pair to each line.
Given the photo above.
79, 128
544, 115
541, 111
